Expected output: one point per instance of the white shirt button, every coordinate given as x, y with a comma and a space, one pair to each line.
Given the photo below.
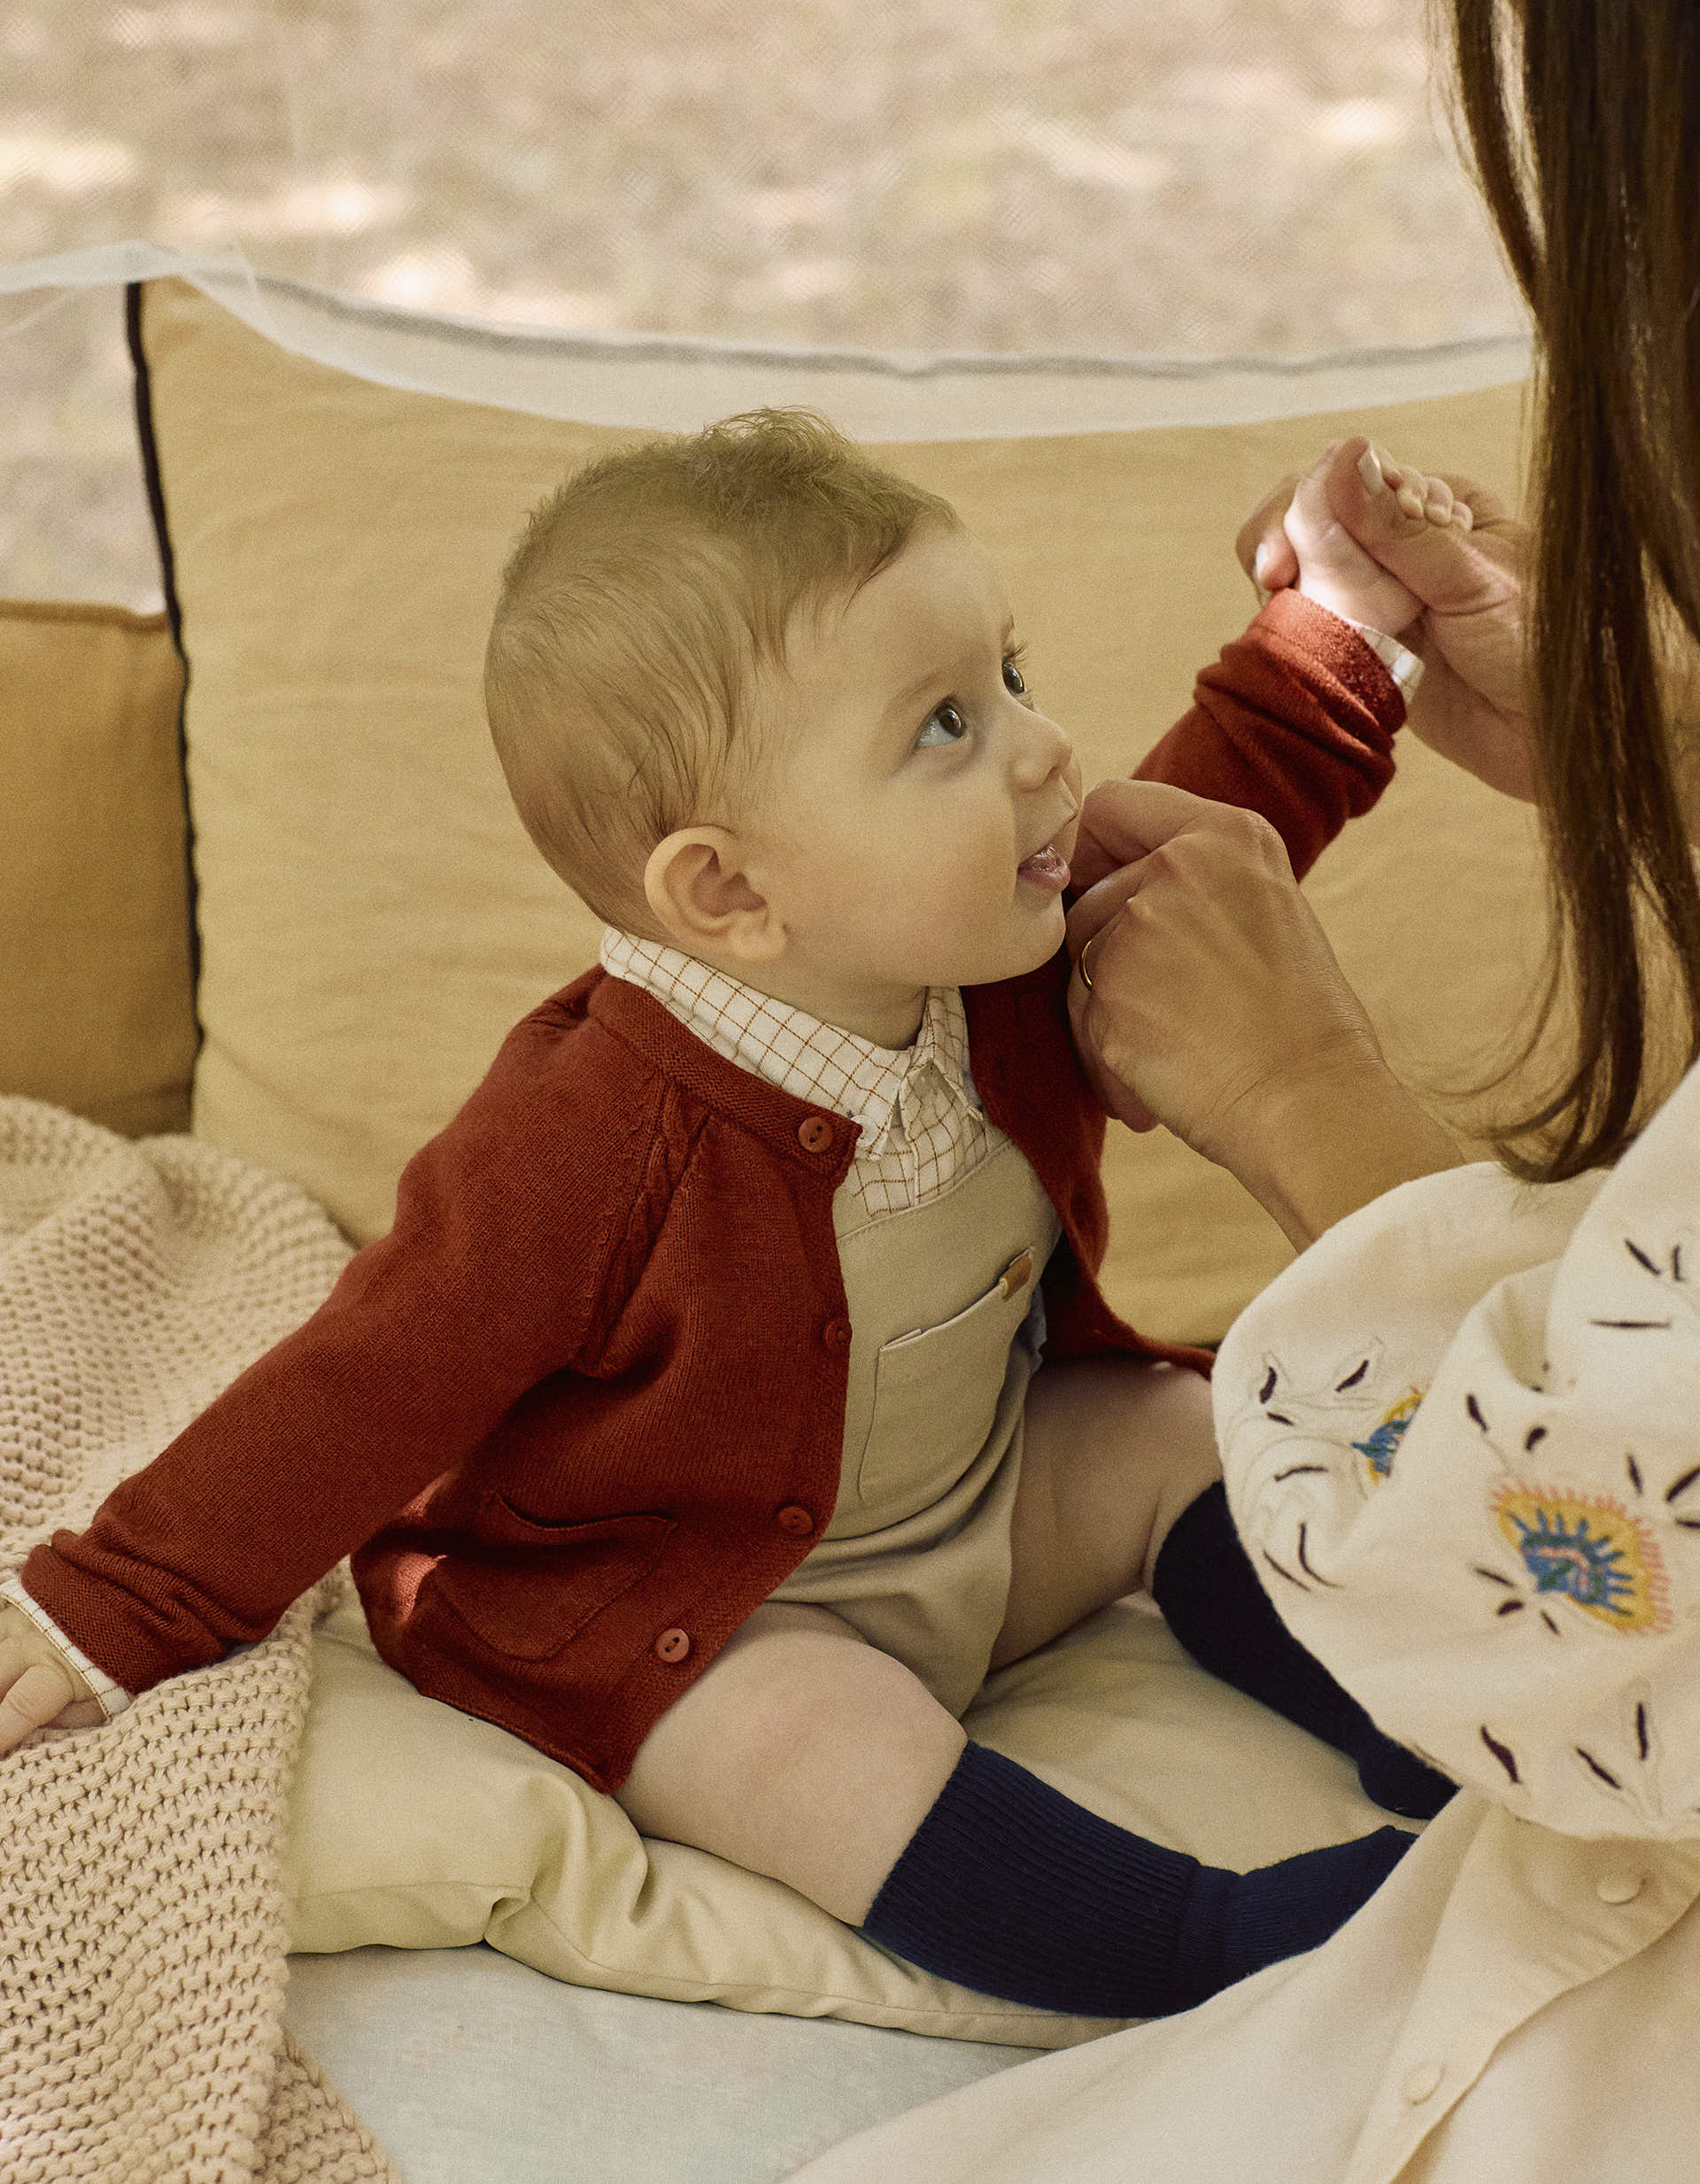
1421, 2080
1620, 1887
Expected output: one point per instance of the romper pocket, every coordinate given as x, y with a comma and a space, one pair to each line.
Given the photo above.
936, 1392
529, 1589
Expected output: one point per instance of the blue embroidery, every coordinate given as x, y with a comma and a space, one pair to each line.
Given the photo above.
1589, 1550
1378, 1447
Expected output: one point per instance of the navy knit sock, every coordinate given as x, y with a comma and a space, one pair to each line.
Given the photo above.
1211, 1598
1011, 1889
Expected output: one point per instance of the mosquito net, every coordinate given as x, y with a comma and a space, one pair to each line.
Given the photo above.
1181, 179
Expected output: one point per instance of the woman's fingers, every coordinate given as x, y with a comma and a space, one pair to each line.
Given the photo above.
1264, 550
1266, 554
1115, 1094
1412, 524
1121, 822
1212, 986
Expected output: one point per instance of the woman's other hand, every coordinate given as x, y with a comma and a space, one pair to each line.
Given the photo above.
1212, 983
1472, 706
1217, 1008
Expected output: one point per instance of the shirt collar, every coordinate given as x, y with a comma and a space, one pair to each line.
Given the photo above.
797, 1051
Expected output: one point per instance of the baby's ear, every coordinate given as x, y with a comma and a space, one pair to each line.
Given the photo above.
697, 891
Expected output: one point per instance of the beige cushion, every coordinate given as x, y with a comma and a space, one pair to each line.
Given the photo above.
373, 916
96, 1009
417, 1826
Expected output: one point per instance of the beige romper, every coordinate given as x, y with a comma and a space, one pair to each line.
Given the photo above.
947, 1324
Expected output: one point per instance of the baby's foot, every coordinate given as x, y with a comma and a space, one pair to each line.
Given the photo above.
1334, 569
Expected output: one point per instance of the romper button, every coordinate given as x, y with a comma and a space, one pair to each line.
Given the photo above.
673, 1645
815, 1136
1618, 1887
1421, 2081
795, 1518
836, 1334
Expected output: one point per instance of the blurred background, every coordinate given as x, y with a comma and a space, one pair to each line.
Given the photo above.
1270, 178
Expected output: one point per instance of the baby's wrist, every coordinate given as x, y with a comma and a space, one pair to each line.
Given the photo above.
1403, 665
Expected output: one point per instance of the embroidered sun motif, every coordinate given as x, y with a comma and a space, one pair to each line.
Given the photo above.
1588, 1548
1378, 1447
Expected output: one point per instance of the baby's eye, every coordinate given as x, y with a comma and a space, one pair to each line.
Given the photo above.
1014, 681
947, 717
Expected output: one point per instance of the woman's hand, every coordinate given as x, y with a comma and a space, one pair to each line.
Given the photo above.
1211, 980
1216, 1007
1472, 706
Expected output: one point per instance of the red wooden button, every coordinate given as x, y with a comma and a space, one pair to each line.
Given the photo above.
836, 1334
815, 1136
673, 1645
795, 1518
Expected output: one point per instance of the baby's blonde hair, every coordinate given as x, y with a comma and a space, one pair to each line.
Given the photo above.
635, 610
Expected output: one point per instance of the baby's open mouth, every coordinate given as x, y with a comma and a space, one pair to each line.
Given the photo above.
1046, 867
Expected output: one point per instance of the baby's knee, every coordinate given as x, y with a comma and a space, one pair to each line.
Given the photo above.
786, 1668
797, 1676
802, 1752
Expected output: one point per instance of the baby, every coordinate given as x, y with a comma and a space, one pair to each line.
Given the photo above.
734, 1388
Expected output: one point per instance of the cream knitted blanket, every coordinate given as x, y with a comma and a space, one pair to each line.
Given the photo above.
143, 1925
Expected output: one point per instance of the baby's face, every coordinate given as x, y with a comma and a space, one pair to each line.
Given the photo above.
921, 808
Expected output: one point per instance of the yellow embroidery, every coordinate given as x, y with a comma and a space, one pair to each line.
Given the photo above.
1590, 1549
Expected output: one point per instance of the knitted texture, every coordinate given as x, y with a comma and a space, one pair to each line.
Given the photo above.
142, 1923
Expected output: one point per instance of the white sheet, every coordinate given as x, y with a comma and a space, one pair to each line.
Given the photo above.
471, 2069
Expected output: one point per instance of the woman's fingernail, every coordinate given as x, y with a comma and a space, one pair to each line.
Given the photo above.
1260, 563
1369, 468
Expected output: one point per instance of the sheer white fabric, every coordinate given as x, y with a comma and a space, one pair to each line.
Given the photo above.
1180, 183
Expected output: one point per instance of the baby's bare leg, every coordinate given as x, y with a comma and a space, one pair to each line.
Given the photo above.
802, 1752
1112, 1451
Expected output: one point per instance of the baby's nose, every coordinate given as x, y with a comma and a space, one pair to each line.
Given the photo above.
1046, 750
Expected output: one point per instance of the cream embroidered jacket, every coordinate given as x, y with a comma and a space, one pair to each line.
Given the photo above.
1462, 1441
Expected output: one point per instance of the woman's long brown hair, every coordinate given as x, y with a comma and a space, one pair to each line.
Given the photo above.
1584, 120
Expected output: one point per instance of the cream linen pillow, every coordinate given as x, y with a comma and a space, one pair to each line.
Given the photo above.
417, 1826
372, 918
97, 1004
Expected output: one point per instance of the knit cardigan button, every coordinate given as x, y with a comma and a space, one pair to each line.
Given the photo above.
795, 1518
673, 1645
836, 1334
815, 1136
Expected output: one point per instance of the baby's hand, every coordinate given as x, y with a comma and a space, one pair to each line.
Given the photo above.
1333, 568
37, 1684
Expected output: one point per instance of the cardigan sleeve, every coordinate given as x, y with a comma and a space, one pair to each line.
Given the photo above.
489, 1280
1295, 719
1460, 1443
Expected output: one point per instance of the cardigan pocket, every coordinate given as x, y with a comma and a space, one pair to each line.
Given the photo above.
528, 1586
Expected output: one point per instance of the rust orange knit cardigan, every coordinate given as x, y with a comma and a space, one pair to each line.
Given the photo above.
581, 1410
